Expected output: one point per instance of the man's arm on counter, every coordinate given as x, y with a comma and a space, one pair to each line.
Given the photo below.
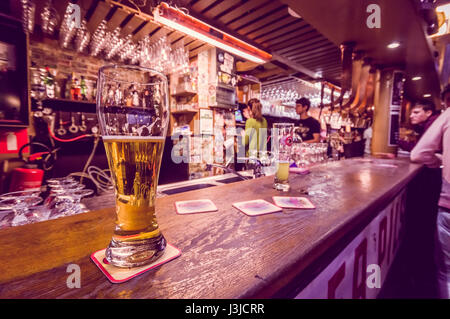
431, 142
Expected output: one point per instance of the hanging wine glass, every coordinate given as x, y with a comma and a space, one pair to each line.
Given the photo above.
50, 18
28, 11
115, 43
82, 37
127, 49
98, 39
68, 28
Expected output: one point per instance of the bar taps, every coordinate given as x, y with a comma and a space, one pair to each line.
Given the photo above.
347, 68
227, 169
256, 166
257, 169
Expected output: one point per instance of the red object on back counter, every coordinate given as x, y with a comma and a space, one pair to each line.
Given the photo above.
12, 140
26, 178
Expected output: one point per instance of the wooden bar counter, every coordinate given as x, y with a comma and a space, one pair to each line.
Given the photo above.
225, 254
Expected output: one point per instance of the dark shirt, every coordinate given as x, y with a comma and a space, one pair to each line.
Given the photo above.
420, 130
307, 127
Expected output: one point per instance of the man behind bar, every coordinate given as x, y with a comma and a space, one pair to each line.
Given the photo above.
308, 127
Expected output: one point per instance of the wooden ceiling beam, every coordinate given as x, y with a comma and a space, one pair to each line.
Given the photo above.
309, 50
322, 65
258, 14
304, 45
316, 56
221, 8
268, 73
293, 65
290, 39
274, 17
273, 31
241, 11
98, 16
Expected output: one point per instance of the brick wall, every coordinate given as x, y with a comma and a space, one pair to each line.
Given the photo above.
49, 53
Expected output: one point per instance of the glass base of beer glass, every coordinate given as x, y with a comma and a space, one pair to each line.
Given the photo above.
281, 186
128, 254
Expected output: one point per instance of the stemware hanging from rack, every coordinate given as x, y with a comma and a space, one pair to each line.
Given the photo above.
82, 37
68, 28
50, 18
98, 39
28, 15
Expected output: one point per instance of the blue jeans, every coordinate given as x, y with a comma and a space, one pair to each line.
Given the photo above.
443, 252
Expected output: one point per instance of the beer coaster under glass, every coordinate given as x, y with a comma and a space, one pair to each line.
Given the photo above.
257, 207
118, 275
195, 206
293, 202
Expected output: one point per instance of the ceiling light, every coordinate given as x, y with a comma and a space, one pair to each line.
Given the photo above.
180, 21
416, 78
443, 14
393, 45
293, 13
427, 95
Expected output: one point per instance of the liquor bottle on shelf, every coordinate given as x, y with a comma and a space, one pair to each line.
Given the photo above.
135, 99
118, 96
94, 91
148, 100
59, 84
49, 82
129, 97
110, 96
83, 89
72, 87
77, 89
68, 88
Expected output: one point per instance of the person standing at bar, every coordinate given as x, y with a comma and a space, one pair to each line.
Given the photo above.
420, 228
435, 139
255, 130
446, 96
422, 116
308, 127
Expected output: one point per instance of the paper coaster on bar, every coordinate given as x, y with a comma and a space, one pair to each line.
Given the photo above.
299, 170
195, 206
118, 275
293, 202
257, 207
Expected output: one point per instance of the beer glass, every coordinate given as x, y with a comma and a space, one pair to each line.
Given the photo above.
132, 109
282, 140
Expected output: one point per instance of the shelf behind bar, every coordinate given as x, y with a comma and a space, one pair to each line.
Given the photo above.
67, 105
184, 94
186, 111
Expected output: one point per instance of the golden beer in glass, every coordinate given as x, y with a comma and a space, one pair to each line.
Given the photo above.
134, 137
282, 139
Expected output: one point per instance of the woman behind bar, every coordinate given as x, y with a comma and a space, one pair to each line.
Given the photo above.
255, 130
